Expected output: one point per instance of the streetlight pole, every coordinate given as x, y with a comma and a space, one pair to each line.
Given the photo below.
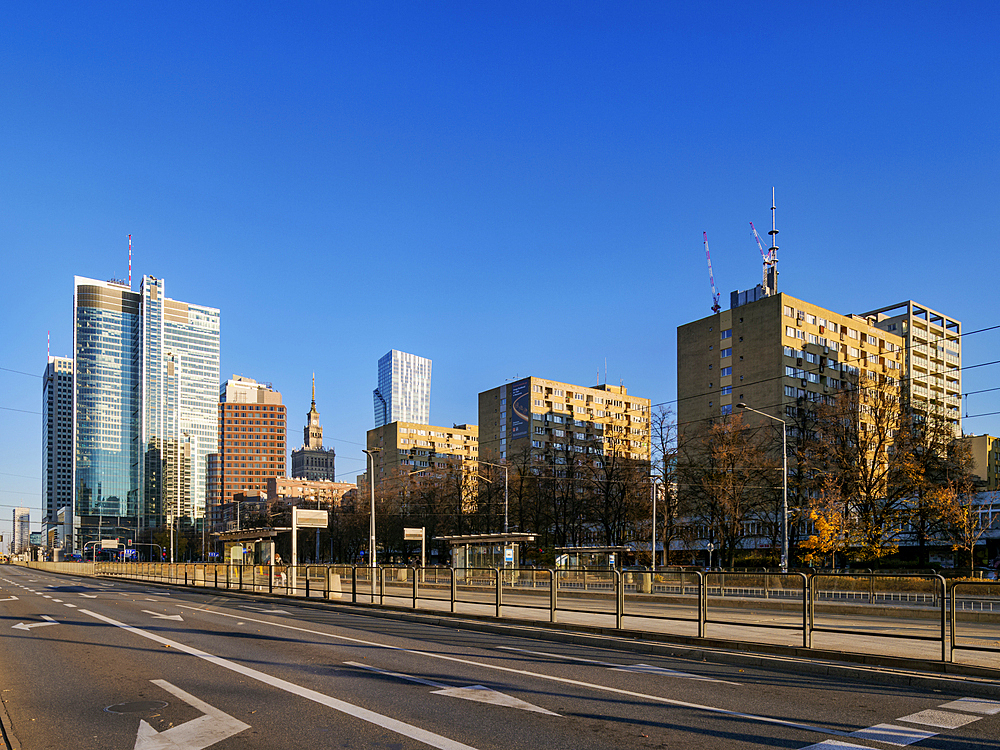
371, 529
784, 483
655, 493
505, 488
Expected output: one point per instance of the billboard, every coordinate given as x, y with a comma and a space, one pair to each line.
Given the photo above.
520, 397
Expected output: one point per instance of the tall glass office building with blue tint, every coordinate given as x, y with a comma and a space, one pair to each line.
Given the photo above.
180, 386
145, 409
106, 410
404, 389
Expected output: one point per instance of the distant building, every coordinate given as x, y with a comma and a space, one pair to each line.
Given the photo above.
308, 493
932, 343
985, 453
313, 461
776, 354
404, 389
251, 435
409, 447
540, 421
57, 439
22, 533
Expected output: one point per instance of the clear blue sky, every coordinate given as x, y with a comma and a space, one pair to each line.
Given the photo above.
509, 189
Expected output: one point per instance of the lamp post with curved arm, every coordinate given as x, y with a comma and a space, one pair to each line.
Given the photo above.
784, 483
505, 486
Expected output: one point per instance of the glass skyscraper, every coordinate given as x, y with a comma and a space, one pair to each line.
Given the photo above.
404, 389
145, 384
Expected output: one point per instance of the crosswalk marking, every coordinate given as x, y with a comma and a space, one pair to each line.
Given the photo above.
943, 719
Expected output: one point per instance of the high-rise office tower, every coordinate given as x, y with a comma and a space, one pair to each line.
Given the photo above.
22, 531
180, 375
404, 389
57, 438
106, 408
144, 407
251, 429
312, 461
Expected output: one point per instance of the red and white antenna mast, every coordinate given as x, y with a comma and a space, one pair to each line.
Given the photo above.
130, 262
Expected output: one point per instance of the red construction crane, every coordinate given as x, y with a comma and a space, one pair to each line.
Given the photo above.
711, 277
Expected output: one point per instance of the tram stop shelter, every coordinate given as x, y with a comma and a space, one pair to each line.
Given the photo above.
591, 558
249, 546
485, 550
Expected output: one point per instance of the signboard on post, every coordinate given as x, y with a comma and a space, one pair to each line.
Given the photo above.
109, 544
413, 535
311, 519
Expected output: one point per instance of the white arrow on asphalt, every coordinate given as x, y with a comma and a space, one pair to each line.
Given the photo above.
9, 599
29, 626
266, 611
478, 693
89, 596
158, 616
214, 726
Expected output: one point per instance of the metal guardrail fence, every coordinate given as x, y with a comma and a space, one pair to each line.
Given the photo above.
941, 608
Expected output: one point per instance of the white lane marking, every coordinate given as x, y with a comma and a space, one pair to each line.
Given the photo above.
400, 727
57, 601
89, 596
46, 596
67, 604
539, 675
211, 727
644, 668
29, 626
827, 744
9, 599
479, 693
943, 719
265, 611
892, 734
158, 616
975, 705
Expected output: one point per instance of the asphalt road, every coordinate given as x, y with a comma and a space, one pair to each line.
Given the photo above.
96, 664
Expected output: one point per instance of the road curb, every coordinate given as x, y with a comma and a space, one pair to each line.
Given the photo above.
6, 728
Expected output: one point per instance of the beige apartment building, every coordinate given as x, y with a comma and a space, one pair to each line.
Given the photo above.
932, 343
773, 351
409, 447
985, 453
309, 493
550, 420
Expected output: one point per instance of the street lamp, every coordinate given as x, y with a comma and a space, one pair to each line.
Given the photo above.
371, 483
784, 483
504, 467
656, 480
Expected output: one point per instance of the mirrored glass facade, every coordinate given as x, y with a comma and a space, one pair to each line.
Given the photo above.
404, 389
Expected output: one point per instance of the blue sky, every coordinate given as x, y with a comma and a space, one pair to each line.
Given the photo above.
509, 189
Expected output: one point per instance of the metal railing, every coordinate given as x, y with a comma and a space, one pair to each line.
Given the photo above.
932, 608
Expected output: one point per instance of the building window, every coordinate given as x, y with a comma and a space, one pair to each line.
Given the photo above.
727, 334
727, 409
726, 353
726, 371
727, 390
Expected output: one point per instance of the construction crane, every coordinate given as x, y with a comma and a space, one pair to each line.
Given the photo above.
711, 277
765, 254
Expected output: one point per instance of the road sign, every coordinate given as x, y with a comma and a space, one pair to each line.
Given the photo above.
413, 535
109, 544
508, 554
311, 519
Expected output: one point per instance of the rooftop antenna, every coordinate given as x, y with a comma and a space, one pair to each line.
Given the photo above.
48, 345
771, 276
130, 262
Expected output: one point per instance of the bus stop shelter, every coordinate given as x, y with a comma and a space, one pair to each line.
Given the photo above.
592, 558
486, 550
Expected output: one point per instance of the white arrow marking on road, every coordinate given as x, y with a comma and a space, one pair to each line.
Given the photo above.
267, 611
29, 626
478, 693
643, 668
164, 617
214, 726
9, 599
89, 596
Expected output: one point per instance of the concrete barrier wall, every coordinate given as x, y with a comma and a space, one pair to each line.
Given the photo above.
79, 568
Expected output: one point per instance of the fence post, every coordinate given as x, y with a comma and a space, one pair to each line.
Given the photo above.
702, 602
871, 587
619, 598
380, 572
354, 584
454, 588
806, 632
553, 587
496, 572
215, 572
307, 583
944, 616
